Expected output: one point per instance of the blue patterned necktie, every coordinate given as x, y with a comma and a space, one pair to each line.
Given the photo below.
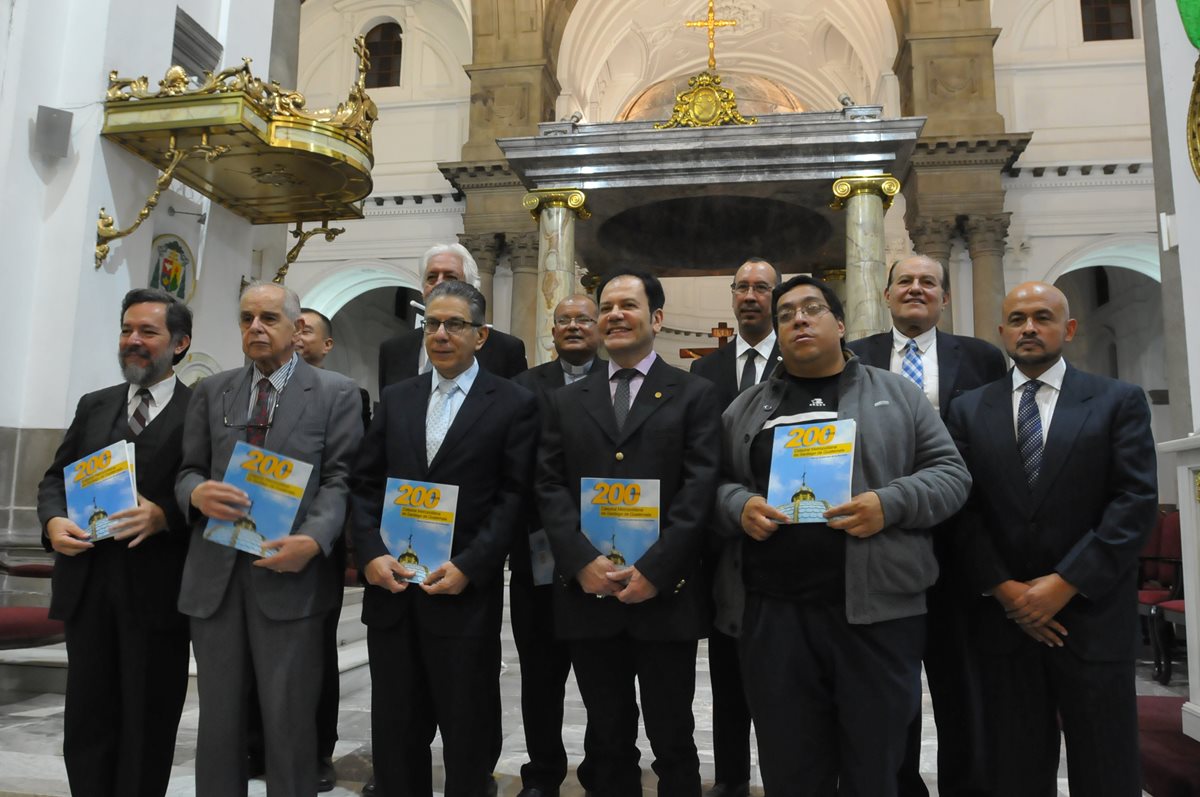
911, 365
1029, 432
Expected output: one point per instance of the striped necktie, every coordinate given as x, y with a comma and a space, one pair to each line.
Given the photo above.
141, 413
1029, 432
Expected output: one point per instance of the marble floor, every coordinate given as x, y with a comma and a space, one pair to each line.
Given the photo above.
31, 763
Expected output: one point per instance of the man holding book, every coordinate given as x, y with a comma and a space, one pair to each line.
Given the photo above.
259, 617
438, 491
127, 645
636, 443
825, 584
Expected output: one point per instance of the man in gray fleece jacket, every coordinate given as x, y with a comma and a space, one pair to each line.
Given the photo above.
830, 613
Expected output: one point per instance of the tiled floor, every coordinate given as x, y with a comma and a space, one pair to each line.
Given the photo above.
31, 732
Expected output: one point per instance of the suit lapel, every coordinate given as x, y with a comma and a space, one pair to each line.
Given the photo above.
772, 361
1070, 411
290, 406
235, 400
656, 390
417, 403
597, 402
996, 409
472, 410
948, 359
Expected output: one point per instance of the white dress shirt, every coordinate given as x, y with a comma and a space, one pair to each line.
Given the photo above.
1046, 396
160, 396
456, 398
762, 361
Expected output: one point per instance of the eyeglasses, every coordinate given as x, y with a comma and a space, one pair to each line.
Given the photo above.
583, 322
744, 288
454, 326
811, 310
262, 427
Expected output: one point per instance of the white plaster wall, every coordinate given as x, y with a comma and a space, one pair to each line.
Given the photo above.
59, 315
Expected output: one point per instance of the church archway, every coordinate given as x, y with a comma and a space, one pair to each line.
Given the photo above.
1135, 252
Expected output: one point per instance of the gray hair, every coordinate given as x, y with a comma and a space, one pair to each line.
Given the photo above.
291, 302
470, 267
461, 290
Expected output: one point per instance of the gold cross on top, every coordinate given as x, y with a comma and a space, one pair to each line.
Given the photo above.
712, 23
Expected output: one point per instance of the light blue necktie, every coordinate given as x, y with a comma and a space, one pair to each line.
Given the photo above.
911, 365
1029, 432
437, 419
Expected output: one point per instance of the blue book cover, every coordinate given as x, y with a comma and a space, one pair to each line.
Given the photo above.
620, 518
275, 484
100, 485
417, 524
811, 468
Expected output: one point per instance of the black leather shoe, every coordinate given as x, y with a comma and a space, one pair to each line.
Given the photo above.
728, 790
326, 774
369, 787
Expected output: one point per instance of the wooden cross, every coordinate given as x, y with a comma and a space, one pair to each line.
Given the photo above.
712, 23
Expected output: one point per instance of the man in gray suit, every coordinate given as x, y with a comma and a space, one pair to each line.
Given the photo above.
260, 618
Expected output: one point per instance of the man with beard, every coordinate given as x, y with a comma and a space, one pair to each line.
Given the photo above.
1065, 494
127, 645
545, 659
750, 360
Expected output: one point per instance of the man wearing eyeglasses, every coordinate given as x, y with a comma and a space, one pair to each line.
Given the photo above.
435, 647
830, 615
750, 360
545, 659
403, 356
260, 618
944, 366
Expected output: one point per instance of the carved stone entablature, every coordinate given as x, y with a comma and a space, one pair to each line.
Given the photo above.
999, 151
479, 174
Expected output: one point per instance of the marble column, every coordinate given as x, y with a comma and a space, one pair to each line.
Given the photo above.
555, 211
484, 249
523, 260
835, 278
865, 198
985, 235
933, 237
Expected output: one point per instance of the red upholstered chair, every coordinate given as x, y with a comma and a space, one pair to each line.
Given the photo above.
28, 626
1160, 594
1163, 619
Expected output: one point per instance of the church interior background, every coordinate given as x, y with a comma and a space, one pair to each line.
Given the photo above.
1052, 148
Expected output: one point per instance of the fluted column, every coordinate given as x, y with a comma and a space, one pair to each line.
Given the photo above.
933, 237
555, 211
865, 198
523, 259
985, 242
484, 249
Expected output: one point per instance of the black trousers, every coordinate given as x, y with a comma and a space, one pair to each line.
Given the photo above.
953, 675
421, 684
125, 689
1025, 697
731, 715
327, 703
831, 701
665, 672
545, 664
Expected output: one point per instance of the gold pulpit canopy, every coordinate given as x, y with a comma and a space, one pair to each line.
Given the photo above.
248, 145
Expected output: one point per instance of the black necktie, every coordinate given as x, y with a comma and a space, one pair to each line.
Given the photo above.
621, 397
1029, 432
748, 375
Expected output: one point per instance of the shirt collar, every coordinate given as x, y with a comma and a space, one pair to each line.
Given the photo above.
279, 377
763, 347
924, 340
576, 370
160, 392
463, 380
642, 367
1053, 376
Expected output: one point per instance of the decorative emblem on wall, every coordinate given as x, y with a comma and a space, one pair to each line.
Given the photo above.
172, 267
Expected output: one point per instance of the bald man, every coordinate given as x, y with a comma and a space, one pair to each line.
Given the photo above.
1064, 497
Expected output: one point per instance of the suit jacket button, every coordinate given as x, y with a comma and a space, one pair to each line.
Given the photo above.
747, 439
620, 456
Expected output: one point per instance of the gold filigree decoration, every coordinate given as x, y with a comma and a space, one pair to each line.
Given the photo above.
106, 227
705, 104
540, 198
329, 232
712, 23
885, 186
356, 115
1193, 122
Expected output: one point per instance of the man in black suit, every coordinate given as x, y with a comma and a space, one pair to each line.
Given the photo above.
638, 419
545, 659
403, 356
750, 360
1065, 494
127, 645
435, 648
943, 366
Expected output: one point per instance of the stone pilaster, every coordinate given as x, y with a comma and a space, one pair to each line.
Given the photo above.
985, 236
865, 198
523, 260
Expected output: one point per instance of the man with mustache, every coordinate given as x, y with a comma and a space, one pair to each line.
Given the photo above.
750, 360
943, 366
545, 659
636, 419
127, 645
1065, 494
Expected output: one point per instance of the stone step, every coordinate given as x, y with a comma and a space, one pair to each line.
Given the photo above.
44, 669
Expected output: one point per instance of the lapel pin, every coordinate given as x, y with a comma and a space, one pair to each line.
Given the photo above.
658, 395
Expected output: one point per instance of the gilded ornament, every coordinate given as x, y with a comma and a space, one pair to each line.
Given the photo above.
329, 232
1193, 123
705, 104
884, 186
540, 198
